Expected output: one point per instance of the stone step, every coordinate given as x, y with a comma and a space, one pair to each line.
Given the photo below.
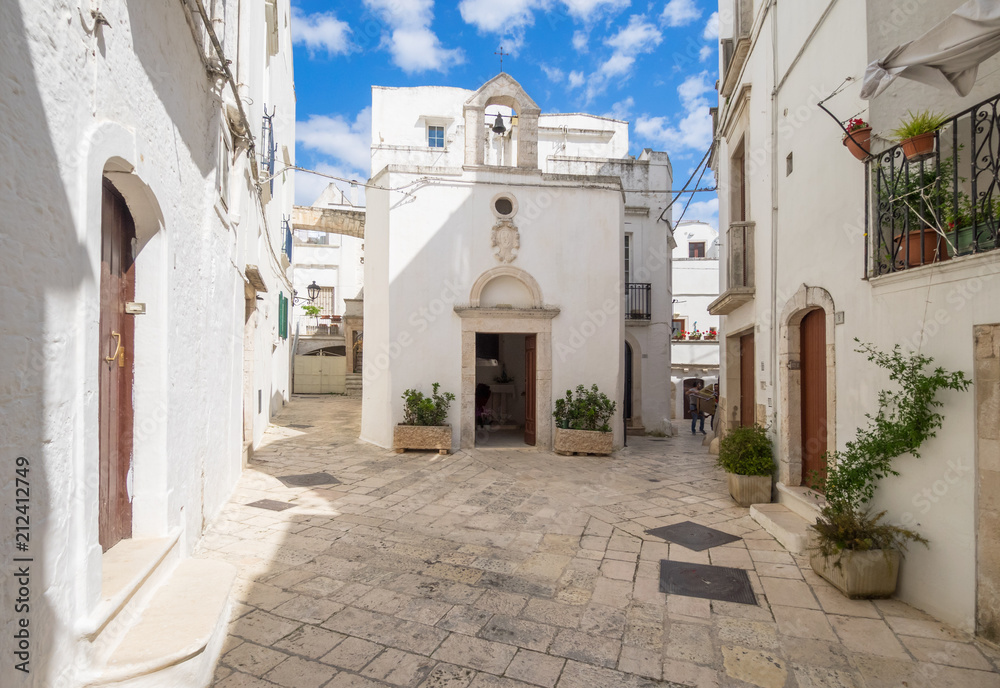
804, 501
177, 639
787, 527
131, 571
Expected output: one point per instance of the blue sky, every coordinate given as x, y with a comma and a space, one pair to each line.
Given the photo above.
652, 63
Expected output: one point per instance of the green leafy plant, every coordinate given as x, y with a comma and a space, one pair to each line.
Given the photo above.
421, 410
314, 311
915, 124
746, 450
588, 410
905, 419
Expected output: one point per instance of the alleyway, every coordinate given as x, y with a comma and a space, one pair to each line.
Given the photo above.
506, 569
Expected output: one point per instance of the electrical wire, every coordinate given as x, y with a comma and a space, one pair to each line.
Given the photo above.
691, 197
684, 190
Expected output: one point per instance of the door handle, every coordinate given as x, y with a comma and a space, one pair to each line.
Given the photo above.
119, 353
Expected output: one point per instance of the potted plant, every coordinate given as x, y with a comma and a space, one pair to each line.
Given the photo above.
854, 549
680, 335
582, 422
858, 137
917, 200
712, 333
694, 335
747, 457
312, 311
424, 425
916, 133
964, 237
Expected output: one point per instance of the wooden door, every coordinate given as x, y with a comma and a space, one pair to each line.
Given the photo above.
115, 362
746, 380
530, 370
627, 401
812, 333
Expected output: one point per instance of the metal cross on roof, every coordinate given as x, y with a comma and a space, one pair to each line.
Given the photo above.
501, 53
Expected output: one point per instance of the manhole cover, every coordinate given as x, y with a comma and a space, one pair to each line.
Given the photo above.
708, 582
298, 425
693, 536
271, 505
308, 480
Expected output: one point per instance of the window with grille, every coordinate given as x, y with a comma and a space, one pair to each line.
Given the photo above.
325, 300
696, 249
435, 136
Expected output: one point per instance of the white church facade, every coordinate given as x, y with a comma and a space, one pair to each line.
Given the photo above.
499, 256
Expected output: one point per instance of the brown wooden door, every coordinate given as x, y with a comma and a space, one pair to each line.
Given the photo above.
530, 369
116, 344
812, 332
746, 380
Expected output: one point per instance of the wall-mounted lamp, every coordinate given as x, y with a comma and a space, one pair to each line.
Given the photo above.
313, 290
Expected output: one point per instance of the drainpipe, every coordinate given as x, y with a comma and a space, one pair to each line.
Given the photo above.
773, 9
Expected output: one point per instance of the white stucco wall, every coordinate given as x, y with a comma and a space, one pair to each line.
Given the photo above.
818, 241
132, 97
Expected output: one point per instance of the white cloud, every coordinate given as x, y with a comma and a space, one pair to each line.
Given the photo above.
576, 79
706, 211
711, 32
592, 9
622, 109
346, 141
694, 130
680, 12
499, 17
554, 74
414, 47
580, 39
705, 53
308, 187
321, 31
638, 36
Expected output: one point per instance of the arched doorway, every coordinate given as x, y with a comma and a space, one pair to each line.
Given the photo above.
116, 365
812, 348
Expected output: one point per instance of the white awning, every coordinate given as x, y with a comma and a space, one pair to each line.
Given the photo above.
947, 56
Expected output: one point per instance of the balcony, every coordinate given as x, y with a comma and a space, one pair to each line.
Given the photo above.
940, 205
638, 301
739, 250
736, 50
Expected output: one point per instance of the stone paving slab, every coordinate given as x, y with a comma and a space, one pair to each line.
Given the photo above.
524, 569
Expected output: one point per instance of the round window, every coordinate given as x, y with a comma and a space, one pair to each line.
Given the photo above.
503, 206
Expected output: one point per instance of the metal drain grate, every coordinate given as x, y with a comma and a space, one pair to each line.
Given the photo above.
693, 536
707, 582
308, 480
271, 505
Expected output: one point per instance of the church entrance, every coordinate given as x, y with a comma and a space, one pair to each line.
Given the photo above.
505, 389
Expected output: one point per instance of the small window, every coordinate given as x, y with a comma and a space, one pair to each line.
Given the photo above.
696, 249
504, 206
628, 257
678, 326
788, 165
435, 136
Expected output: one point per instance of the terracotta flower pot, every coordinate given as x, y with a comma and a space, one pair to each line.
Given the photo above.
860, 574
919, 146
860, 146
924, 247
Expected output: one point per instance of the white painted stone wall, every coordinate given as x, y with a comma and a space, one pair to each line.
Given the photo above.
818, 241
133, 98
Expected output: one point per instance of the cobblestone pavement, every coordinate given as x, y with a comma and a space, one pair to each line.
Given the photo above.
509, 569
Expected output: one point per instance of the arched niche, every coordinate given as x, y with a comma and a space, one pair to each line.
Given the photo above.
508, 280
504, 90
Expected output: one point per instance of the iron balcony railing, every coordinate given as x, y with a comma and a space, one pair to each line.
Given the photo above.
638, 301
930, 207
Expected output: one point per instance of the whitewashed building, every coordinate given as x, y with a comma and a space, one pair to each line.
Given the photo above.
814, 256
142, 319
500, 245
694, 354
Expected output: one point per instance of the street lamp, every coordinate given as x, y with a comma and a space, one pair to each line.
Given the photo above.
313, 290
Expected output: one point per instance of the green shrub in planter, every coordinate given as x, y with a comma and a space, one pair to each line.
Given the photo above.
421, 410
588, 410
746, 450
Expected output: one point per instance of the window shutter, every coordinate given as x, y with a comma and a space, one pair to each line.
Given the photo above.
282, 316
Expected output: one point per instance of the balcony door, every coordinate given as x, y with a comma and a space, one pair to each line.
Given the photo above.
530, 372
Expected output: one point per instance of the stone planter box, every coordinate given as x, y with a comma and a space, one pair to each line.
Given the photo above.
583, 442
422, 437
749, 489
860, 574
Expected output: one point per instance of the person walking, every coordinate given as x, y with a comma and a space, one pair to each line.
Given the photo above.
696, 415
